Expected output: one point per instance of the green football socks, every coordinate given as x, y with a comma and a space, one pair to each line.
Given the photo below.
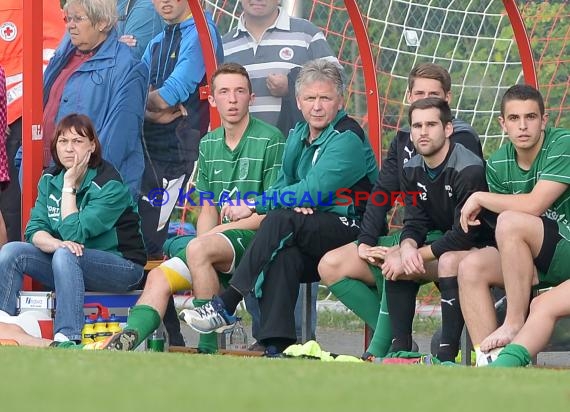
382, 338
143, 319
512, 355
208, 343
67, 345
359, 298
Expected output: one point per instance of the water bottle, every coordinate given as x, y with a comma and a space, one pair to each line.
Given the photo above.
156, 342
100, 329
224, 339
113, 324
238, 337
88, 333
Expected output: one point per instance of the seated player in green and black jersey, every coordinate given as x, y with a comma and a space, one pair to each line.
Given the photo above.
444, 174
350, 270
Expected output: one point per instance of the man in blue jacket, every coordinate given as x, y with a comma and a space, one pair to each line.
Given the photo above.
176, 117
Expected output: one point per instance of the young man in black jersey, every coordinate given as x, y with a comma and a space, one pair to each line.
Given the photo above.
349, 270
445, 174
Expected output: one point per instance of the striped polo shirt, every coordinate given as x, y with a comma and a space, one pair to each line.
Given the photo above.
505, 176
288, 43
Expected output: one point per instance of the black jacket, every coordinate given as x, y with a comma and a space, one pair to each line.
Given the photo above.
439, 201
400, 152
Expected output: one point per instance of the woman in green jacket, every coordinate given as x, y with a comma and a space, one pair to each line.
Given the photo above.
83, 233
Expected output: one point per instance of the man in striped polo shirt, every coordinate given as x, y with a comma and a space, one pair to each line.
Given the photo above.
528, 178
242, 156
273, 46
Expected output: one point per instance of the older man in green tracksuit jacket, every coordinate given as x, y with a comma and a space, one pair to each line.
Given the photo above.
310, 209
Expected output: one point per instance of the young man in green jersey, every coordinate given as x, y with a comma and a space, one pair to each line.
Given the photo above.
528, 179
243, 155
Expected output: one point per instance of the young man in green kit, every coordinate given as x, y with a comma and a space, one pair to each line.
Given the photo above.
243, 155
528, 180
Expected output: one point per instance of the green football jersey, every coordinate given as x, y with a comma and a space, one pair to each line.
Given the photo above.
552, 163
251, 166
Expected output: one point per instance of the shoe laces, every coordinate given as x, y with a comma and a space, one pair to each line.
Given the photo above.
206, 311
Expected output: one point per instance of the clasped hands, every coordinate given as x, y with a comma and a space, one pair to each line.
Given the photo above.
396, 263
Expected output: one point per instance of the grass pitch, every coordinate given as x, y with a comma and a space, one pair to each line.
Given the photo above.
58, 380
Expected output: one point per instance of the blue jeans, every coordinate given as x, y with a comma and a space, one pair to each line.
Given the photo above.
68, 275
252, 306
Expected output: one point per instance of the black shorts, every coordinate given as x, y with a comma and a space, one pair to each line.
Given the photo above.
549, 242
553, 260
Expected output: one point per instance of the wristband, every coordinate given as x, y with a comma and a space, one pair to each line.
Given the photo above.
71, 190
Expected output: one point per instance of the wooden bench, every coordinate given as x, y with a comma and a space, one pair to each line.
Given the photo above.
151, 264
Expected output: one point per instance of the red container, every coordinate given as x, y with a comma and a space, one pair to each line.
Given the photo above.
46, 328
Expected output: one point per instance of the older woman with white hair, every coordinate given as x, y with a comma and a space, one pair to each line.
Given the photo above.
95, 74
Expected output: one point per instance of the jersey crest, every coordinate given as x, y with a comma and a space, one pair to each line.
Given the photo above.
243, 168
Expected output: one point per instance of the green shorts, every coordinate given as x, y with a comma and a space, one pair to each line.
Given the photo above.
394, 240
176, 271
175, 244
558, 269
239, 240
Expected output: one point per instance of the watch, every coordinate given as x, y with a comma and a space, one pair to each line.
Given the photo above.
71, 190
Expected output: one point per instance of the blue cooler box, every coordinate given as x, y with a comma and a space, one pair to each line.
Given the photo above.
117, 303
